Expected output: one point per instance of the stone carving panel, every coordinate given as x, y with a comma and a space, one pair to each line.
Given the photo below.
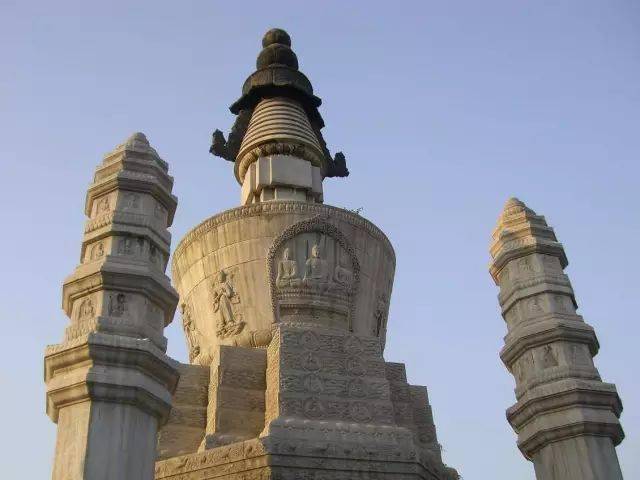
103, 205
155, 257
127, 246
381, 313
131, 201
549, 357
97, 251
226, 302
191, 333
534, 305
527, 266
117, 304
86, 310
314, 275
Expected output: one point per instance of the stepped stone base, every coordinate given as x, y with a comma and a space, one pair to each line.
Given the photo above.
265, 459
317, 403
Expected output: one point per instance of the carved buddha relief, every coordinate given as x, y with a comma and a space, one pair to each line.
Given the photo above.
287, 271
126, 246
527, 266
86, 310
131, 201
103, 205
313, 275
316, 272
117, 304
155, 257
535, 306
313, 383
97, 251
343, 275
313, 408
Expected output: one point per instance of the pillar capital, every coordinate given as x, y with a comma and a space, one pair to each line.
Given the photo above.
109, 368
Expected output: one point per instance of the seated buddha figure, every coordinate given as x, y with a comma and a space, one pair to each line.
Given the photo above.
287, 271
316, 269
342, 275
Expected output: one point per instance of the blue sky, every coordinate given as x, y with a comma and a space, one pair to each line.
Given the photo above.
444, 110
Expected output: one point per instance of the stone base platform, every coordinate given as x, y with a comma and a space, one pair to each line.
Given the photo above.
266, 459
318, 403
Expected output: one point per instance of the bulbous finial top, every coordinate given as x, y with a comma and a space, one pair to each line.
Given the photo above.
276, 35
277, 50
137, 137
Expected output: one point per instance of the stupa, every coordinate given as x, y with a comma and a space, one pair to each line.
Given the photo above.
284, 302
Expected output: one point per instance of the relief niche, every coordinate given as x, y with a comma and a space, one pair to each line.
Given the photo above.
313, 275
225, 307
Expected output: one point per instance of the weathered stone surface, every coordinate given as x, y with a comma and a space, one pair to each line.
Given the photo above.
109, 383
185, 428
565, 416
236, 396
330, 407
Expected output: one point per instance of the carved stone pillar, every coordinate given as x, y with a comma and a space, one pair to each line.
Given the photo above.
109, 383
565, 416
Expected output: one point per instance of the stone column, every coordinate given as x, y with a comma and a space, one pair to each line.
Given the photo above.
565, 416
109, 383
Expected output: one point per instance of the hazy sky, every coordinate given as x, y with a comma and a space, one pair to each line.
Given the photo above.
444, 110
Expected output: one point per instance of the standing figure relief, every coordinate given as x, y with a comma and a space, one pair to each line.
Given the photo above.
191, 332
224, 297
